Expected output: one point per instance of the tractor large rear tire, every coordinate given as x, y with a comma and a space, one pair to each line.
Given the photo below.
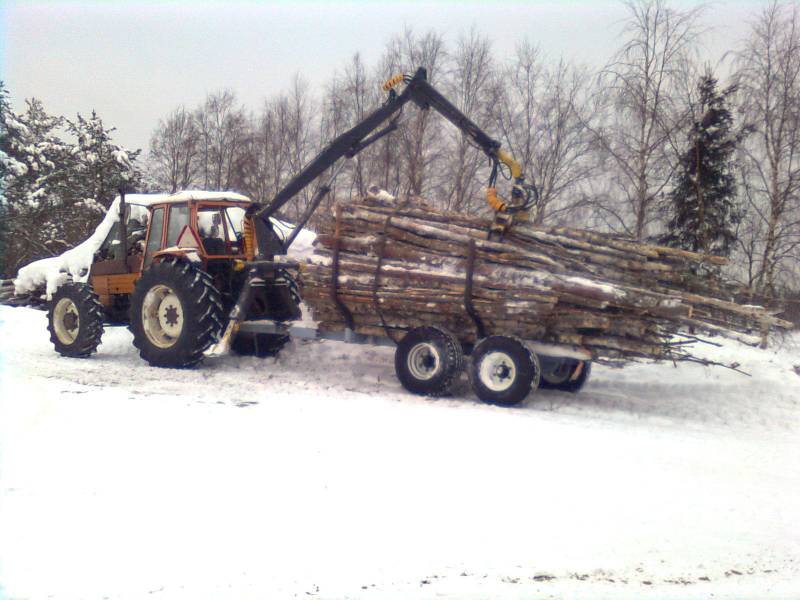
75, 320
176, 314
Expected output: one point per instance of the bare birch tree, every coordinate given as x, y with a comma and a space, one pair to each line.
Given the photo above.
173, 151
643, 112
297, 116
280, 142
543, 117
468, 86
265, 166
416, 140
768, 75
223, 129
351, 95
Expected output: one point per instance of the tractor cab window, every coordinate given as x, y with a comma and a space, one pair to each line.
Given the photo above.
216, 230
178, 219
211, 230
109, 249
235, 216
154, 241
137, 228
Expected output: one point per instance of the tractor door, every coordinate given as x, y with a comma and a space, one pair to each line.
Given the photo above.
155, 235
178, 219
114, 271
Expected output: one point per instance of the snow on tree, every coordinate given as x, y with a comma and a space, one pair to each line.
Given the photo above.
33, 159
98, 166
8, 165
703, 210
53, 192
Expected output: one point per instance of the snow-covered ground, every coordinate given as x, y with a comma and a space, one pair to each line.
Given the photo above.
316, 475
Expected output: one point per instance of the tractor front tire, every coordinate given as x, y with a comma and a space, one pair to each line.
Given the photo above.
75, 320
176, 314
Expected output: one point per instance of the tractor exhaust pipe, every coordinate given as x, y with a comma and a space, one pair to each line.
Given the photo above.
123, 231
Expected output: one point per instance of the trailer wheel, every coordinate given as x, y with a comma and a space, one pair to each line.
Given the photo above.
75, 320
503, 371
569, 376
176, 314
428, 360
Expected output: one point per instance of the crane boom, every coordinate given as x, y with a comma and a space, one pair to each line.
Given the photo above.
425, 96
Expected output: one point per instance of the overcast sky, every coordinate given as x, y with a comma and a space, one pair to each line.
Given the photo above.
133, 62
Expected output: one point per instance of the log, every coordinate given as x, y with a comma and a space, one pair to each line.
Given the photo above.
405, 266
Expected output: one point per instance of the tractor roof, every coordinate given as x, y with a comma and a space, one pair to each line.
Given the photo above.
148, 199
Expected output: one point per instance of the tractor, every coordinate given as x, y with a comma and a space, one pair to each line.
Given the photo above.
171, 267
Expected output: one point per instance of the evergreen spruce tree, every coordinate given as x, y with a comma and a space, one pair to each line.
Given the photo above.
32, 158
99, 167
5, 170
703, 212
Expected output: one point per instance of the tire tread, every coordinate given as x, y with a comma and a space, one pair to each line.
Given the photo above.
91, 319
203, 331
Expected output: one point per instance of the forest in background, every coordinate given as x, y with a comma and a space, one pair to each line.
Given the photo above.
656, 145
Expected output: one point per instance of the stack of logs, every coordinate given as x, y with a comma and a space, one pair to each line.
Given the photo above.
9, 296
383, 267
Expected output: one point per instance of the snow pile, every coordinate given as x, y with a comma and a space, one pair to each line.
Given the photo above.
52, 272
302, 248
314, 475
76, 262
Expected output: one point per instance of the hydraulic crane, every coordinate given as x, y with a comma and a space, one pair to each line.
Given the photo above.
265, 244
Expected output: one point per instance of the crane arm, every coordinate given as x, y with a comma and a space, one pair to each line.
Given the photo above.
425, 96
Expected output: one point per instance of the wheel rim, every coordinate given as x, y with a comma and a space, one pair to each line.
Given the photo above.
424, 361
497, 371
162, 316
66, 321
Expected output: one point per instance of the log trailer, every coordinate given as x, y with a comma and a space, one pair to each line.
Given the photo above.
205, 273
